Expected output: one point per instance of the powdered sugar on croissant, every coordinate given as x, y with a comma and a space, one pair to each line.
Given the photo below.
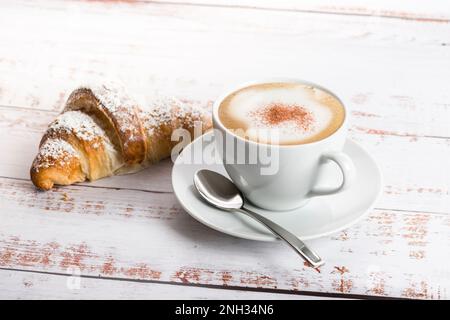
102, 131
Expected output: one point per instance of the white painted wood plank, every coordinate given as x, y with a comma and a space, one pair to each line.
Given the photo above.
17, 285
378, 110
390, 73
423, 11
417, 176
141, 235
194, 52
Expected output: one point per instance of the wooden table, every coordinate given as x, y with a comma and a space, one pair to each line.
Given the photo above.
389, 61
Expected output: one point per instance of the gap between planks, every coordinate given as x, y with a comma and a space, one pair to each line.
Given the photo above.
32, 286
87, 185
392, 188
343, 11
357, 128
401, 190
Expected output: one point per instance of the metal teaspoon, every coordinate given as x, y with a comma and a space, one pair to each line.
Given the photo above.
220, 192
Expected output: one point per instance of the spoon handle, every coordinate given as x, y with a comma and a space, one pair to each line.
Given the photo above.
297, 244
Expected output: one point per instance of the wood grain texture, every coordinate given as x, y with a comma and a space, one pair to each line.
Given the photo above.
30, 285
427, 189
139, 235
392, 73
416, 10
378, 67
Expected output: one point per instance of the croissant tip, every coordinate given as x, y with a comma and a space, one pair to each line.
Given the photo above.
41, 184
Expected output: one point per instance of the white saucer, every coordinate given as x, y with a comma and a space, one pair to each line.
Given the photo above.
321, 216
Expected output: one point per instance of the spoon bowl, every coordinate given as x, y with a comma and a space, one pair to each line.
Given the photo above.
218, 190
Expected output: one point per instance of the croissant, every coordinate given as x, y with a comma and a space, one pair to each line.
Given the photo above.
102, 132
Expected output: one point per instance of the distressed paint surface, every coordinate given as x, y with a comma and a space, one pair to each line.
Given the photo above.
390, 72
427, 189
154, 239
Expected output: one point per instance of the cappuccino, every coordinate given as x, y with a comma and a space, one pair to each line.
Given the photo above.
282, 113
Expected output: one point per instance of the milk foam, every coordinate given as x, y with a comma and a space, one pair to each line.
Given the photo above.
246, 106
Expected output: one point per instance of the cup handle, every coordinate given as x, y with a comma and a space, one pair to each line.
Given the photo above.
348, 173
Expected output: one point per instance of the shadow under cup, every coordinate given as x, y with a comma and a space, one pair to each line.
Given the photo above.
281, 177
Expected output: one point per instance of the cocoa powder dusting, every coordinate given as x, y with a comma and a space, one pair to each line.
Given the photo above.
277, 113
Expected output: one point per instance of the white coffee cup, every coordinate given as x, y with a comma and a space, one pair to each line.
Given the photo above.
286, 177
